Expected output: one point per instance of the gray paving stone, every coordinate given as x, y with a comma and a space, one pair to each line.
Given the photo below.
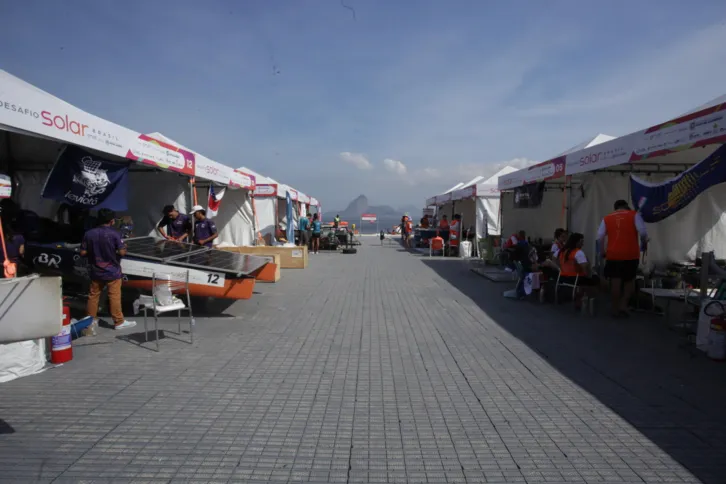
379, 367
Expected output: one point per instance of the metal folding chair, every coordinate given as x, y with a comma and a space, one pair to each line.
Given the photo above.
560, 283
178, 286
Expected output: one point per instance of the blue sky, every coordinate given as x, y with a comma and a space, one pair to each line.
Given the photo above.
399, 103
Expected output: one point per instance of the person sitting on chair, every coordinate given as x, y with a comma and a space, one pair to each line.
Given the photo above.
574, 267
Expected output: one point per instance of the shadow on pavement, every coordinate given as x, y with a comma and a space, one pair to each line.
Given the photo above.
637, 367
6, 428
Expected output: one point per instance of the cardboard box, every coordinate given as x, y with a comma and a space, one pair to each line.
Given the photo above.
290, 257
271, 272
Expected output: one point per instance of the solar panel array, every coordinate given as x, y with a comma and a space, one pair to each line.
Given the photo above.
193, 256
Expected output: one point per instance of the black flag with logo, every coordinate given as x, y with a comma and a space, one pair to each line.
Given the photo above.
82, 179
529, 196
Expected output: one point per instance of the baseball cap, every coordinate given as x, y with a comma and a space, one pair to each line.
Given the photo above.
196, 208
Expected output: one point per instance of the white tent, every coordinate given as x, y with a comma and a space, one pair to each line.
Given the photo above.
478, 203
235, 219
35, 126
541, 221
271, 208
599, 176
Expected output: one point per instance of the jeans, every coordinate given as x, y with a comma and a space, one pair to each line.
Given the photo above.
114, 299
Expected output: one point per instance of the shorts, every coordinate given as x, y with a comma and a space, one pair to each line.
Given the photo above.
621, 269
316, 236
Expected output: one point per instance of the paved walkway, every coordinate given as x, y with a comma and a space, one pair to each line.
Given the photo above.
378, 367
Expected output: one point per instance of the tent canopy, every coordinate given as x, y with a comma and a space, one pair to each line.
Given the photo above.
664, 144
32, 111
599, 173
480, 187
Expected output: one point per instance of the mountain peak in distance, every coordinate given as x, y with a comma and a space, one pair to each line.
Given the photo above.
359, 205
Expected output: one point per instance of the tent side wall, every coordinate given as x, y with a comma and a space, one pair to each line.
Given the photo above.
701, 226
266, 215
467, 209
235, 220
487, 216
536, 222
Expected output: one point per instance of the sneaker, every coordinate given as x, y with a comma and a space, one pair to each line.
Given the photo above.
125, 325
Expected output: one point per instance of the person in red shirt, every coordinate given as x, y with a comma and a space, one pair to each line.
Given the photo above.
514, 239
625, 232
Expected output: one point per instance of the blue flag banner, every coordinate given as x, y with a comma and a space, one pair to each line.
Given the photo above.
290, 223
657, 201
81, 179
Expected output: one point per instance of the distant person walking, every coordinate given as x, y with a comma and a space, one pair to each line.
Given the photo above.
317, 228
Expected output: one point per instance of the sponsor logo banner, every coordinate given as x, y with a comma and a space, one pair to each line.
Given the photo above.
369, 217
240, 179
150, 151
265, 190
661, 200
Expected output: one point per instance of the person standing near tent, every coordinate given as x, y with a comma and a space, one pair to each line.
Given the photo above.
303, 226
205, 230
455, 232
336, 222
625, 232
174, 225
104, 248
424, 223
444, 223
316, 228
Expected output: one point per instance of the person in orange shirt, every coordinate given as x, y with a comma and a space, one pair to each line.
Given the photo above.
574, 266
625, 232
444, 223
408, 233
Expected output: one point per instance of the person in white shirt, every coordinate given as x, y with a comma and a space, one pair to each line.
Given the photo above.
558, 243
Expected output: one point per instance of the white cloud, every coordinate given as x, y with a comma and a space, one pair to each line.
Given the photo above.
650, 85
358, 160
438, 180
395, 166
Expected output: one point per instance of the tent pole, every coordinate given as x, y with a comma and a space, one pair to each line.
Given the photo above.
568, 208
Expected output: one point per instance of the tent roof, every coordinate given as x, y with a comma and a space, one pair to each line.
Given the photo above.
494, 179
600, 138
455, 187
70, 124
673, 142
713, 102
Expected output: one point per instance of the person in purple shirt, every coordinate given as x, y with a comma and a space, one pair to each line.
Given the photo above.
177, 224
104, 248
205, 230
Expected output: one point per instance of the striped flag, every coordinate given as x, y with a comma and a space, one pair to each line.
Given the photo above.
215, 199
